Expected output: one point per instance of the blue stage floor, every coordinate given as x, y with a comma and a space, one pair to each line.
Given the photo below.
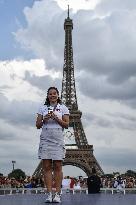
70, 199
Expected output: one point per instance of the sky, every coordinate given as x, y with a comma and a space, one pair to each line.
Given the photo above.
31, 60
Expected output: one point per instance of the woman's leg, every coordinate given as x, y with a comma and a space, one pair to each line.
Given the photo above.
57, 165
47, 171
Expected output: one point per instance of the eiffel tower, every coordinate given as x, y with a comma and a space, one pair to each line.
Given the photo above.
78, 152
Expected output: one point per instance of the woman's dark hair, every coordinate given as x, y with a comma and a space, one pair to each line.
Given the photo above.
47, 102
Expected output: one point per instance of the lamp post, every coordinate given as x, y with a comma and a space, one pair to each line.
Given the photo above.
13, 162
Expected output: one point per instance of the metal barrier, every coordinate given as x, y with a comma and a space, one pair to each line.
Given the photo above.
115, 190
10, 191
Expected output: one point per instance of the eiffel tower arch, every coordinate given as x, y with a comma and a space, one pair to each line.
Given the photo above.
78, 152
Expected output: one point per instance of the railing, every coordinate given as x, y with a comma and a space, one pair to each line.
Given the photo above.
10, 191
115, 190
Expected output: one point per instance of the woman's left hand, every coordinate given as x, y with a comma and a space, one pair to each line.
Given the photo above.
54, 117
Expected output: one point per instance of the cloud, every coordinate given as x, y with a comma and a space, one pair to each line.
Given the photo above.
15, 86
18, 113
104, 47
6, 135
42, 35
96, 120
100, 88
106, 6
82, 4
116, 159
124, 116
20, 143
42, 82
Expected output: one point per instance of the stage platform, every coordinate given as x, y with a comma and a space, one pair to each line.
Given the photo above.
70, 199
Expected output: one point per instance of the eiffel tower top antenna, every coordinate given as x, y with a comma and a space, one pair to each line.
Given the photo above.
68, 11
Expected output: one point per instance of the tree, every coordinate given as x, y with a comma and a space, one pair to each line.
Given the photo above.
116, 173
1, 175
17, 174
109, 176
130, 173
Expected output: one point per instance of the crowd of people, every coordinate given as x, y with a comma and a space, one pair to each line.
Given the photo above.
118, 181
68, 182
28, 182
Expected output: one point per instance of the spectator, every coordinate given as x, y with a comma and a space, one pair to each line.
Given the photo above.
66, 183
119, 184
77, 185
93, 182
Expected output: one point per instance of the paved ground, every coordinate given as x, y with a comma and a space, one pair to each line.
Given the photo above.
70, 199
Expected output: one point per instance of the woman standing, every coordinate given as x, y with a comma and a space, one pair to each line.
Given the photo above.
52, 117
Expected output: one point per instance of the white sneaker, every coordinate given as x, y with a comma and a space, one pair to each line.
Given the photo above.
49, 198
57, 198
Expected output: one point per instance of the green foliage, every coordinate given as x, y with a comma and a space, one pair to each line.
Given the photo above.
1, 175
130, 173
17, 174
116, 173
109, 176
